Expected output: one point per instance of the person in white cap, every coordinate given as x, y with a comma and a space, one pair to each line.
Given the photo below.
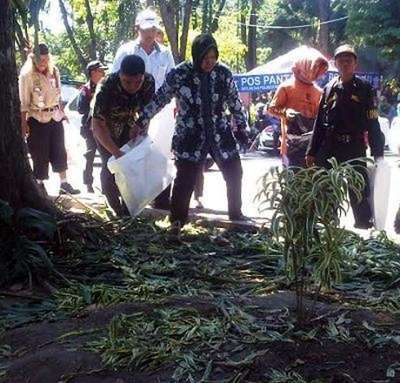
157, 58
158, 62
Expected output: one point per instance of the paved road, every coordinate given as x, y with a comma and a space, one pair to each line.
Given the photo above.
254, 166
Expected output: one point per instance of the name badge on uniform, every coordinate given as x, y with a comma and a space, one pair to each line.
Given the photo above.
372, 114
355, 98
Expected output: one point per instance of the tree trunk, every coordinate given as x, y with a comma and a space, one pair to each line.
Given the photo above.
185, 29
204, 18
71, 36
243, 31
168, 17
22, 43
214, 24
89, 22
18, 186
251, 56
324, 8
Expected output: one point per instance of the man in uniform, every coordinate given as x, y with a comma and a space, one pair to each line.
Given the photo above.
95, 71
117, 101
158, 62
42, 116
347, 110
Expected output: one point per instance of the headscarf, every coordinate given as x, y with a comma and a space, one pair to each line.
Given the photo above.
200, 47
310, 67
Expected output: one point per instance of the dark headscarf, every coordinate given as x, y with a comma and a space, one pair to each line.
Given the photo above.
200, 47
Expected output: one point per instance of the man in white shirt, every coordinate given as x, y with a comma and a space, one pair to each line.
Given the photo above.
157, 58
158, 62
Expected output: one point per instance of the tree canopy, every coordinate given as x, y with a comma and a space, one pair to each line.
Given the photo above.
249, 32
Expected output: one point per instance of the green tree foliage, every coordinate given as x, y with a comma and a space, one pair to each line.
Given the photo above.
112, 24
288, 13
375, 25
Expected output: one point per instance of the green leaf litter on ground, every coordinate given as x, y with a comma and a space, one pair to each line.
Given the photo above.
130, 261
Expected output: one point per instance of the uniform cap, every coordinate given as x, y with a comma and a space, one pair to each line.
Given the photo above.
147, 19
345, 48
96, 64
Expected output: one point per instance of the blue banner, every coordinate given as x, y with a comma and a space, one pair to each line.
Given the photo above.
260, 82
267, 82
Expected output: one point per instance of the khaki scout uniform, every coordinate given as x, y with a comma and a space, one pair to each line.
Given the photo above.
40, 99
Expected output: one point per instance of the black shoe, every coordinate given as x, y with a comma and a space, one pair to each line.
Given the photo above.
66, 188
363, 225
90, 189
174, 233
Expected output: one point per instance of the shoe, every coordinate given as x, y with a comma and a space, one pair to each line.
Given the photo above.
363, 225
174, 233
90, 189
66, 188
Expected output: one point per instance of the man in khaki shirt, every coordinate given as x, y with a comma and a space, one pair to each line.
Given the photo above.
41, 118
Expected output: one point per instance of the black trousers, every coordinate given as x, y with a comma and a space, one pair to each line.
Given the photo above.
199, 185
108, 186
186, 177
46, 146
91, 147
362, 211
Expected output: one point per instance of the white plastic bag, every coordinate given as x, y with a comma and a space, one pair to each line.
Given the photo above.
162, 127
385, 128
394, 136
379, 178
141, 174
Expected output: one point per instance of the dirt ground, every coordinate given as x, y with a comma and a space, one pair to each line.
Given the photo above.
214, 308
43, 353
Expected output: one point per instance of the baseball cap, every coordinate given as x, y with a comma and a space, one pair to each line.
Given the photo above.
96, 64
345, 48
147, 19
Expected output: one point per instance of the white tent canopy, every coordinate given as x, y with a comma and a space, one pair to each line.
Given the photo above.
284, 63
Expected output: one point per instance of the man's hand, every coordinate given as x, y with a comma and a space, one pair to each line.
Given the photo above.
290, 114
118, 154
134, 132
310, 161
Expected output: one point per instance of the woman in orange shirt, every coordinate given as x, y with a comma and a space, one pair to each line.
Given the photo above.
296, 104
